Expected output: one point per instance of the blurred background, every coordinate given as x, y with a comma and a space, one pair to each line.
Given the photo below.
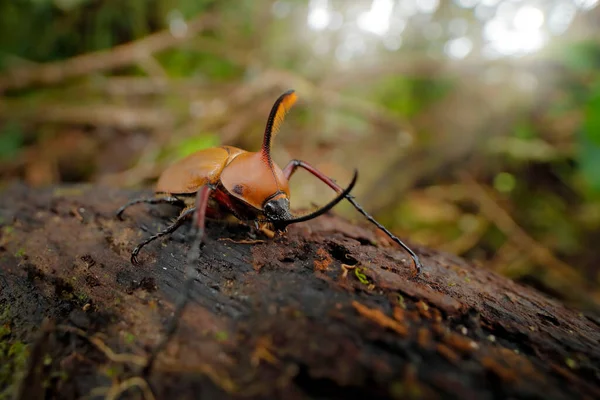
475, 124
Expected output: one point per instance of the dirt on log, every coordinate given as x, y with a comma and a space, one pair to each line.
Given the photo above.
330, 310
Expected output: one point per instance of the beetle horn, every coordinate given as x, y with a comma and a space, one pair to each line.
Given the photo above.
280, 109
322, 210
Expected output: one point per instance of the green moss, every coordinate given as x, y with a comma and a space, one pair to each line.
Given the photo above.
65, 295
401, 301
571, 363
129, 338
13, 356
113, 371
4, 330
20, 253
401, 390
221, 336
82, 298
67, 191
47, 359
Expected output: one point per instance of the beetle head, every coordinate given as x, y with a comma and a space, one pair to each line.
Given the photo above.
281, 224
256, 180
278, 209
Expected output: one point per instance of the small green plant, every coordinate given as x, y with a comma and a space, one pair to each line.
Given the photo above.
129, 338
361, 276
401, 301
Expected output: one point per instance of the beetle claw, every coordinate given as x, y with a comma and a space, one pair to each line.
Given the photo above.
134, 254
418, 267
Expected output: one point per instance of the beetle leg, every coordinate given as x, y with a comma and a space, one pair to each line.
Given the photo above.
170, 229
197, 234
152, 200
294, 164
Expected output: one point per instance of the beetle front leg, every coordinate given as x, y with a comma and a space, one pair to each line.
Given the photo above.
170, 229
152, 200
196, 235
293, 165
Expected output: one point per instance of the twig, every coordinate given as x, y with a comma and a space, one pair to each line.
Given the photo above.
287, 79
98, 115
153, 69
219, 378
334, 99
346, 268
119, 56
507, 255
146, 167
243, 241
147, 86
31, 385
469, 239
107, 351
117, 390
379, 317
504, 222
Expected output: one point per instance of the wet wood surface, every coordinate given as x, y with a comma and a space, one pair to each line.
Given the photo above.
330, 310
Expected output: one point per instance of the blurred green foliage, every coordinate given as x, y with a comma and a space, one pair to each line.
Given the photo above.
193, 144
181, 63
589, 140
11, 140
409, 96
65, 28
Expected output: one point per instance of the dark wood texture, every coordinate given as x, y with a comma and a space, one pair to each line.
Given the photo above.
286, 318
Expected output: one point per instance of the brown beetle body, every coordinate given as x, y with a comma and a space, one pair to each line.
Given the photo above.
249, 185
242, 180
228, 180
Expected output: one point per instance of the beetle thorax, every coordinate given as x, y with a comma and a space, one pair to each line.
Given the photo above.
254, 180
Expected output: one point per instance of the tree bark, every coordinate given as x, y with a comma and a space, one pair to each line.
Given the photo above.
329, 310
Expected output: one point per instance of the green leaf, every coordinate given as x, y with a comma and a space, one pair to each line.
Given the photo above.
582, 57
589, 141
190, 145
525, 130
591, 125
589, 160
11, 140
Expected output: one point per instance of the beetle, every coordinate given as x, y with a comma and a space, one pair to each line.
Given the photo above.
249, 185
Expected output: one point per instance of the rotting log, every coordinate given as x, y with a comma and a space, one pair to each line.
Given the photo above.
330, 310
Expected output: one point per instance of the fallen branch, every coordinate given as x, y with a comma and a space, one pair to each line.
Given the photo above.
121, 117
119, 56
275, 319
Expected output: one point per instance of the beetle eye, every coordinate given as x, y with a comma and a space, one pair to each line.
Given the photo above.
269, 207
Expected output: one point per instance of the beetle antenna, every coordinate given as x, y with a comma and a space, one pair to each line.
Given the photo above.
387, 232
278, 112
325, 208
294, 164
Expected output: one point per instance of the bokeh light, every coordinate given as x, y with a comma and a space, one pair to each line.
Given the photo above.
509, 28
